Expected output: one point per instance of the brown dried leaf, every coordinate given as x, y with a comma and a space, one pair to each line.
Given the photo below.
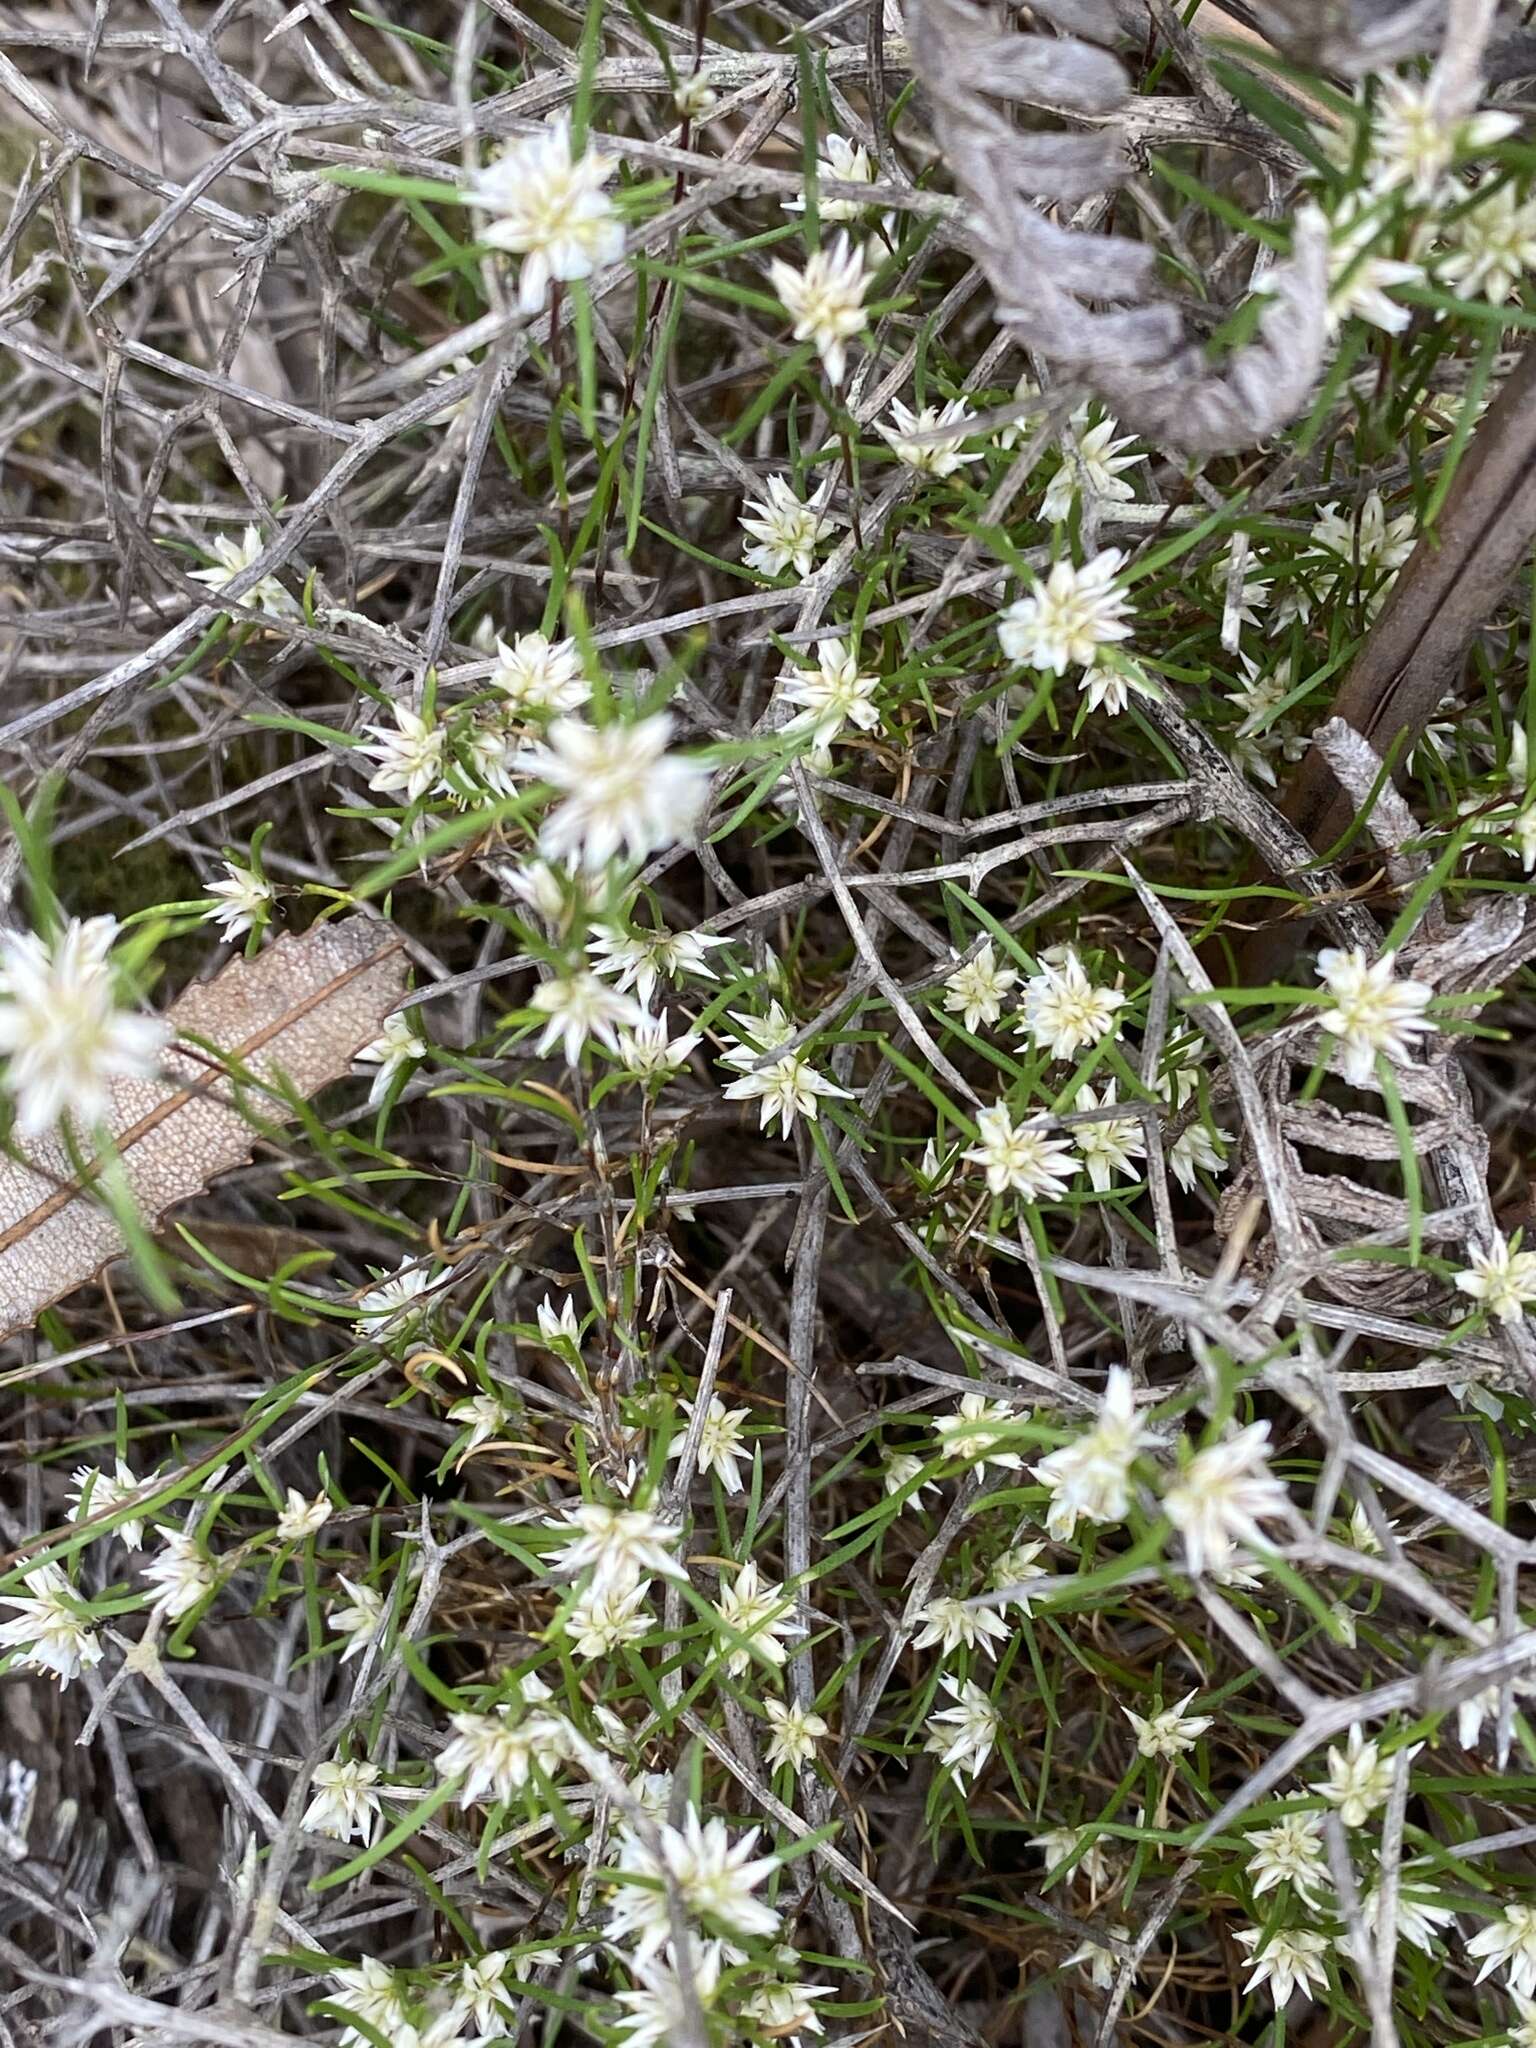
288, 1021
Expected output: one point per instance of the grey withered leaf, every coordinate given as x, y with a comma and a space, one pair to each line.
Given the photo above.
1134, 350
1352, 36
291, 1019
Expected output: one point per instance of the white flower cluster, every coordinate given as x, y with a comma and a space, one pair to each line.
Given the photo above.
1063, 1013
824, 299
828, 696
1374, 1014
657, 1590
1216, 1500
671, 1865
620, 795
621, 789
1293, 1952
1287, 1857
1410, 219
1361, 546
1069, 616
470, 2002
54, 1626
603, 997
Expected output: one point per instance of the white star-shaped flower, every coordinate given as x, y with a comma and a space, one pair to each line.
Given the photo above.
1089, 1477
1420, 1916
483, 1416
244, 898
784, 1088
1415, 144
181, 1572
795, 1733
46, 1629
901, 1468
359, 1617
1502, 1279
395, 1304
369, 1992
231, 558
623, 790
98, 1492
656, 2010
1492, 242
1290, 1960
1110, 690
604, 1618
1360, 281
1064, 1011
650, 1055
825, 300
760, 1611
1065, 619
783, 532
345, 1804
976, 1433
65, 1038
1169, 1732
1020, 1160
301, 1516
1197, 1150
1373, 1011
714, 1877
1091, 456
1222, 1495
831, 695
537, 674
397, 1047
694, 98
1509, 1944
1291, 1852
639, 959
495, 1755
962, 1736
559, 1327
1359, 1778
1110, 1145
1011, 1572
932, 440
722, 1441
548, 206
578, 1007
619, 1546
849, 163
953, 1625
977, 987
411, 755
1100, 1962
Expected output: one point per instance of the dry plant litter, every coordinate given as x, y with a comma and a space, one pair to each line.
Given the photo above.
766, 1236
